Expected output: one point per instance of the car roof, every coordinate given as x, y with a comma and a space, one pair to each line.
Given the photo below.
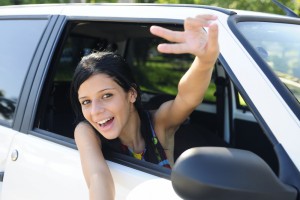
126, 10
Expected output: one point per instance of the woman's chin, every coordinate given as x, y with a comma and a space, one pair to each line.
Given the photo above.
109, 136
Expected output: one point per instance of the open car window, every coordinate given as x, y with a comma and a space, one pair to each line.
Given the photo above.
157, 74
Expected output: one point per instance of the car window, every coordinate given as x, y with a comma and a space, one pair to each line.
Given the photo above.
278, 44
156, 74
19, 40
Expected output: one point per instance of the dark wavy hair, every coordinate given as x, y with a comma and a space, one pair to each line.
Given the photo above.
108, 63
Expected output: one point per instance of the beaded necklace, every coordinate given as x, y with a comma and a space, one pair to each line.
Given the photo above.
139, 156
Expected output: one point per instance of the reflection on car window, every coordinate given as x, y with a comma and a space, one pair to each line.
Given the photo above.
16, 52
278, 44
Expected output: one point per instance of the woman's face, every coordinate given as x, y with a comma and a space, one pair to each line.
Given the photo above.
106, 105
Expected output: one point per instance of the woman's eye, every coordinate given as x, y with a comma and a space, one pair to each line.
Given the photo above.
85, 102
106, 96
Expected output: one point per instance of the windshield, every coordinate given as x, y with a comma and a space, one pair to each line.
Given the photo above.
279, 45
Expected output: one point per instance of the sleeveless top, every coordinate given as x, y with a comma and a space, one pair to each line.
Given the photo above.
153, 151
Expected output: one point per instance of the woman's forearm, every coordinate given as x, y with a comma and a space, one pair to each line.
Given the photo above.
101, 187
194, 83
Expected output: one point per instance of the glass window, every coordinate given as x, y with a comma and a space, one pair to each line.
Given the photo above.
279, 45
19, 40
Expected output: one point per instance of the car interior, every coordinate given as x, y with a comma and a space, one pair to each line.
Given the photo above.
157, 76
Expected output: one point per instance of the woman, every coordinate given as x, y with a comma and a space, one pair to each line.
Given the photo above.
109, 100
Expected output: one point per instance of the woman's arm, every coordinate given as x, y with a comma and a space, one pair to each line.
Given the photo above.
96, 172
194, 83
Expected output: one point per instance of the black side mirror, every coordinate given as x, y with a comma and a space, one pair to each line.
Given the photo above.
223, 173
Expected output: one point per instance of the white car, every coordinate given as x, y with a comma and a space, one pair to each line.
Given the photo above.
242, 142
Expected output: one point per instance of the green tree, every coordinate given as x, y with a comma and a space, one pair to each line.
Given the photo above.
5, 2
253, 5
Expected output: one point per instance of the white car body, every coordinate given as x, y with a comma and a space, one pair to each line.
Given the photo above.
38, 168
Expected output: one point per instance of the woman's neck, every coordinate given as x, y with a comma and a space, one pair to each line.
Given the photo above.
131, 136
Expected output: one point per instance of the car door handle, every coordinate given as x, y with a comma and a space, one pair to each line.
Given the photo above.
14, 155
1, 176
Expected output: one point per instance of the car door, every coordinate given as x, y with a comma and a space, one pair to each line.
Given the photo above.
25, 159
16, 53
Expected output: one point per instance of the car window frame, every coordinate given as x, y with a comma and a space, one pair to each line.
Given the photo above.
281, 88
35, 78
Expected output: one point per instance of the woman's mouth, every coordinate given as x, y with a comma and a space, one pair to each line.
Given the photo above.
105, 122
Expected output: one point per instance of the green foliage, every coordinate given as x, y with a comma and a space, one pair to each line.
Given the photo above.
253, 5
101, 1
5, 2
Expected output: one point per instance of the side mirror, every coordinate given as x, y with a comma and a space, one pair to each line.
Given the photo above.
223, 173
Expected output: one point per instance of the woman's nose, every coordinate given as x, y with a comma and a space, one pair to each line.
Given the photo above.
97, 108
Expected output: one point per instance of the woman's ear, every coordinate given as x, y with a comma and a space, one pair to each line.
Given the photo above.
132, 95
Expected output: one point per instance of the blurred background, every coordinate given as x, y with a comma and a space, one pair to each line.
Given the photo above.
254, 5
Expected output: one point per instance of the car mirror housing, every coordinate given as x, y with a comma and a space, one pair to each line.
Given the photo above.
226, 173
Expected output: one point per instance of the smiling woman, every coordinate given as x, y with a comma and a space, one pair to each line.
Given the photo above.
110, 101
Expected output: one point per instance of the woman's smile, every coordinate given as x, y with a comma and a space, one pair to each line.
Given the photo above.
106, 124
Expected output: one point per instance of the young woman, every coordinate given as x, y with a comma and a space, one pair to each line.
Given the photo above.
105, 94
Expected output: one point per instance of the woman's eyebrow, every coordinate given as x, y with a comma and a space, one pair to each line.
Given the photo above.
100, 91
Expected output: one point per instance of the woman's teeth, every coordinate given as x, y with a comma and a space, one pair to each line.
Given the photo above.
102, 122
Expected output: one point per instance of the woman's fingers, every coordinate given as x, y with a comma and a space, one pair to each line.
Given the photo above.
176, 48
212, 44
172, 36
193, 39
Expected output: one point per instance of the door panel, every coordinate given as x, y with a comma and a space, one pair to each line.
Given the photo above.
6, 137
42, 170
46, 170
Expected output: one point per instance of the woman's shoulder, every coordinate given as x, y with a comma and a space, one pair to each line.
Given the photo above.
85, 133
83, 127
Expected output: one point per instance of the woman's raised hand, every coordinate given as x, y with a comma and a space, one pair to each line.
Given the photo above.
193, 39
